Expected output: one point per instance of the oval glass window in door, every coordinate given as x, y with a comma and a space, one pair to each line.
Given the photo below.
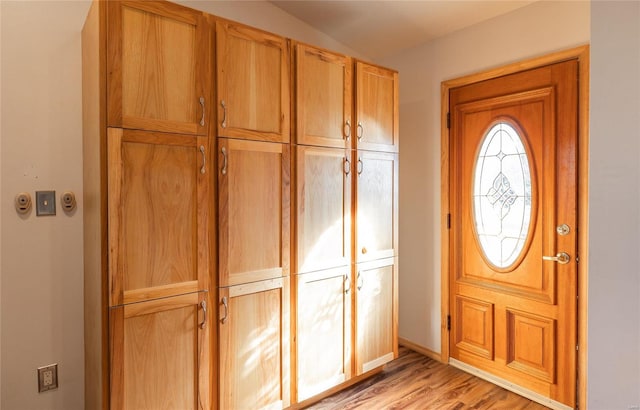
501, 187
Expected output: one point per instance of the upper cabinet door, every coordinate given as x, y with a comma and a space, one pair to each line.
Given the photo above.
159, 185
253, 211
323, 97
158, 67
253, 83
376, 108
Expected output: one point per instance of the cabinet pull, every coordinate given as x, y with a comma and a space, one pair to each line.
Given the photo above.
203, 168
360, 131
202, 105
347, 166
347, 130
224, 114
348, 282
226, 309
359, 281
224, 161
203, 305
360, 166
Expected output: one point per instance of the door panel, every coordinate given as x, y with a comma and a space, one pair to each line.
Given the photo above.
254, 211
376, 125
158, 74
253, 83
376, 205
323, 208
323, 330
513, 183
159, 216
376, 313
254, 345
160, 354
323, 103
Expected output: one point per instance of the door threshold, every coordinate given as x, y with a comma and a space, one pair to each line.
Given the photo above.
505, 384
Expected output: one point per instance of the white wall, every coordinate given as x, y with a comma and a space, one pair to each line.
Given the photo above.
614, 201
531, 31
41, 301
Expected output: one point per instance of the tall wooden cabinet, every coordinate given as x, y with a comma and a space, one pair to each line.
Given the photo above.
240, 214
148, 224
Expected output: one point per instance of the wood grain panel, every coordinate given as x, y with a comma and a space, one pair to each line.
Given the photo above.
253, 82
159, 214
160, 354
323, 208
323, 330
376, 108
254, 211
474, 326
531, 344
376, 205
158, 57
323, 97
376, 323
254, 346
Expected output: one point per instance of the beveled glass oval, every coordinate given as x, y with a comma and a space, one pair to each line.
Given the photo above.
502, 209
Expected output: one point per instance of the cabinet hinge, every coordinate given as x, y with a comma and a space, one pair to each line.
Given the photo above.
448, 120
448, 322
448, 221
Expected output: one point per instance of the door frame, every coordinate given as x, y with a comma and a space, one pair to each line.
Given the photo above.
581, 54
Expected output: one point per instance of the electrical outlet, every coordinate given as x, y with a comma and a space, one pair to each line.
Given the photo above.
47, 377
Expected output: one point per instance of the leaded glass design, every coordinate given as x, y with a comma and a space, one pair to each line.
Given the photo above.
502, 195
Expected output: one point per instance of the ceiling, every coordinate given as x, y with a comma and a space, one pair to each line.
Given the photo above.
378, 29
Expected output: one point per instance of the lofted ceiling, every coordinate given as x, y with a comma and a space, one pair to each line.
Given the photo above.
378, 29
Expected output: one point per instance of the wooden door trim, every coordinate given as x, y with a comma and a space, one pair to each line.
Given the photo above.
581, 54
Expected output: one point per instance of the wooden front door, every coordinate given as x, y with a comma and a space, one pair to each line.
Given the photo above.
513, 229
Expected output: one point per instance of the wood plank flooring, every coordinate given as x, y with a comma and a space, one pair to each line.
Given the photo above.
414, 381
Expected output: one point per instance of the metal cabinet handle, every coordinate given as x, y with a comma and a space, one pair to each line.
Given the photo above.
224, 114
203, 305
224, 162
348, 282
347, 166
202, 105
347, 130
203, 168
359, 281
225, 303
360, 131
562, 258
360, 166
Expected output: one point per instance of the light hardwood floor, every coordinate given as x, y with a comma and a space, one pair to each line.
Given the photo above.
414, 381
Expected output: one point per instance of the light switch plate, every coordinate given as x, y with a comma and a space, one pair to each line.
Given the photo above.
47, 378
45, 203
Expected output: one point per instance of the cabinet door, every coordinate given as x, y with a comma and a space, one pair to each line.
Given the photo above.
254, 345
160, 354
253, 83
323, 97
158, 67
376, 205
158, 215
323, 208
376, 314
323, 329
376, 108
254, 211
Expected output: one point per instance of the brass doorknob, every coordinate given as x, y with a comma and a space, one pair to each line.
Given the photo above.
364, 250
562, 258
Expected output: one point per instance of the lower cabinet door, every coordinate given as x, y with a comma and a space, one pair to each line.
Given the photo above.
323, 331
254, 345
160, 355
376, 314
